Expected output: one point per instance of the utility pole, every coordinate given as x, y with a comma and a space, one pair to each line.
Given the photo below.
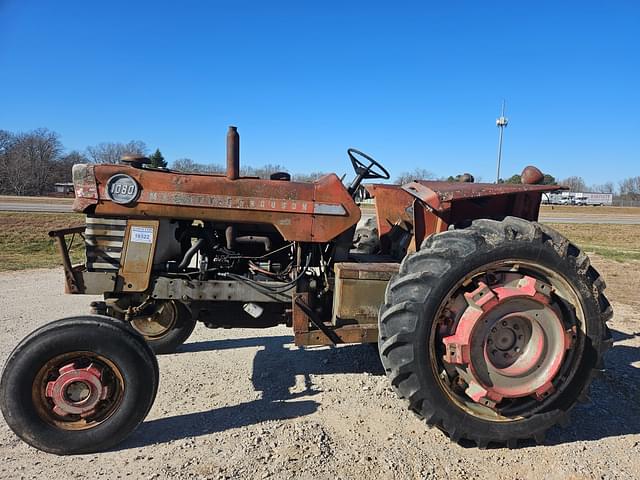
501, 123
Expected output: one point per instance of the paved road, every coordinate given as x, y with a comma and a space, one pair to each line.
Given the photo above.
620, 219
568, 218
35, 207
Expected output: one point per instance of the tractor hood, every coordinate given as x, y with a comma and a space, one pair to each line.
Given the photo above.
300, 211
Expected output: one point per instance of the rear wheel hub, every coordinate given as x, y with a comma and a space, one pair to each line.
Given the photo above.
506, 341
509, 341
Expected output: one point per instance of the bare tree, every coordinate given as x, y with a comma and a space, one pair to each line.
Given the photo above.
189, 166
263, 172
606, 187
28, 160
307, 177
630, 188
575, 184
61, 171
416, 174
112, 152
7, 139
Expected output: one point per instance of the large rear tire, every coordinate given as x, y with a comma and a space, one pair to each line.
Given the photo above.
78, 385
492, 333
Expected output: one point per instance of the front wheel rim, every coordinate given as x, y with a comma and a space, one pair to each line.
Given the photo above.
77, 390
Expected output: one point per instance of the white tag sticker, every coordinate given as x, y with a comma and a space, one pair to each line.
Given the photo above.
142, 234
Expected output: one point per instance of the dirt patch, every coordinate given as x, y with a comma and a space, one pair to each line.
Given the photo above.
622, 279
615, 236
248, 404
615, 242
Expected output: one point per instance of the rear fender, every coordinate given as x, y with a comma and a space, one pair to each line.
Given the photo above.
437, 205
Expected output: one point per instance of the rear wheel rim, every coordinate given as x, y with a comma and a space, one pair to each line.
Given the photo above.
503, 338
77, 390
158, 323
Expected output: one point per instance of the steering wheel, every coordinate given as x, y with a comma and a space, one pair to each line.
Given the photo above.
363, 171
373, 170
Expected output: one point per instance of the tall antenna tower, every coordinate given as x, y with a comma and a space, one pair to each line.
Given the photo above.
501, 123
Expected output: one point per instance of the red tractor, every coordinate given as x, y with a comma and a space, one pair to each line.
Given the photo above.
489, 325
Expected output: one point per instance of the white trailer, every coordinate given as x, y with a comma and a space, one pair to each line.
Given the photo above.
594, 198
579, 198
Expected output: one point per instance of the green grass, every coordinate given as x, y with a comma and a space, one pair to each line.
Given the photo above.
612, 253
24, 242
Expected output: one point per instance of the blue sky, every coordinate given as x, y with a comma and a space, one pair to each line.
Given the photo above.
413, 84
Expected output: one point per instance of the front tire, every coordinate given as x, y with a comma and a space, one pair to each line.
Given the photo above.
459, 358
78, 385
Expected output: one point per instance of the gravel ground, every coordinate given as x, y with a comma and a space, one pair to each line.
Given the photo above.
249, 404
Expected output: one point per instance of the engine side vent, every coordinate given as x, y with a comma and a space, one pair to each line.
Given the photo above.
103, 240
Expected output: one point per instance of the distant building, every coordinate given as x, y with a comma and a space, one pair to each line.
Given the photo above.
63, 188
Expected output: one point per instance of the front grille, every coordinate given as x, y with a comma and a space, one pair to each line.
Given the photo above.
103, 240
